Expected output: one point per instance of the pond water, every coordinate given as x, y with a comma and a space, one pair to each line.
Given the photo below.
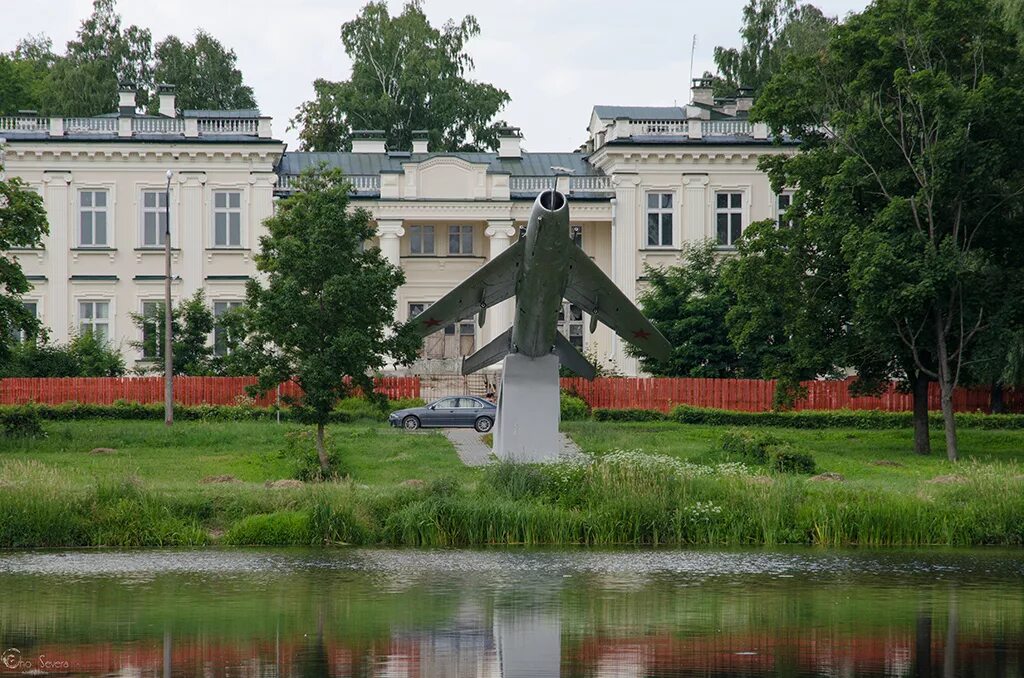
512, 613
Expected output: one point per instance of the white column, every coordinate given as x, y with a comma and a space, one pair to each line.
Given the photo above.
389, 231
499, 318
625, 226
59, 212
695, 208
191, 238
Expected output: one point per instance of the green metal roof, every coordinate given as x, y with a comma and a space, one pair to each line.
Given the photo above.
531, 164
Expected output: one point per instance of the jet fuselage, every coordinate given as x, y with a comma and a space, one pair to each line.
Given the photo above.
543, 276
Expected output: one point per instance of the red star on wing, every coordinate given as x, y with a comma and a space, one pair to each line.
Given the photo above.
431, 322
641, 334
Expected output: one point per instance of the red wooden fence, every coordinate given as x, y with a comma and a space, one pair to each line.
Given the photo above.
615, 392
752, 395
187, 390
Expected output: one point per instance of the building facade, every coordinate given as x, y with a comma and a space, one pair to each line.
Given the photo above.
646, 180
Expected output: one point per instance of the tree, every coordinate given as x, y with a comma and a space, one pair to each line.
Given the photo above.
771, 31
103, 54
23, 74
917, 105
406, 76
22, 224
324, 316
204, 73
191, 325
688, 303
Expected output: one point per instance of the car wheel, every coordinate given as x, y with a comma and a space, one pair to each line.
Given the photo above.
411, 423
483, 424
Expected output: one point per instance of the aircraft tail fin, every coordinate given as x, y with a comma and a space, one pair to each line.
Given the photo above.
494, 351
572, 359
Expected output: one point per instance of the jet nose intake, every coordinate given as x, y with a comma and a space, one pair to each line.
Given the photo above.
552, 201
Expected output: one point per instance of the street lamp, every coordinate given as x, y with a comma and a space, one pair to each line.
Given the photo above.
168, 357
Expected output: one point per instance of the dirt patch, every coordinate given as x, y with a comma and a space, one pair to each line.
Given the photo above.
886, 462
219, 479
828, 477
102, 450
947, 480
215, 533
284, 483
413, 482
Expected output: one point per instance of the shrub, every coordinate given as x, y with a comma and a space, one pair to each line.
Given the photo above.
22, 422
281, 528
749, 446
824, 419
573, 408
633, 414
784, 458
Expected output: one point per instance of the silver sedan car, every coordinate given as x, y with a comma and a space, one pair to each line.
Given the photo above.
451, 412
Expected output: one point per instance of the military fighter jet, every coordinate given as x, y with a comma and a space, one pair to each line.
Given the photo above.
540, 269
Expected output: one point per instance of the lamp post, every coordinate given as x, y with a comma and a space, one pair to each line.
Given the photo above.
168, 357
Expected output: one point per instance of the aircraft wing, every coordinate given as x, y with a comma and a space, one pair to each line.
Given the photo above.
492, 283
594, 292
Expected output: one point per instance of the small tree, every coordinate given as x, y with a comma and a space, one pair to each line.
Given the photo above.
22, 224
84, 356
191, 324
688, 303
324, 316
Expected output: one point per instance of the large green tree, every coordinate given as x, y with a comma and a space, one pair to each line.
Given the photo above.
205, 74
916, 103
22, 224
323, 316
771, 31
191, 324
406, 75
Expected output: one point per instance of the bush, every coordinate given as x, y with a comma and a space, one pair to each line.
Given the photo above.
281, 528
634, 414
22, 422
84, 356
752, 446
784, 458
824, 419
573, 408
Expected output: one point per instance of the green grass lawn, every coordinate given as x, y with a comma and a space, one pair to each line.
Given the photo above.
153, 490
849, 452
180, 457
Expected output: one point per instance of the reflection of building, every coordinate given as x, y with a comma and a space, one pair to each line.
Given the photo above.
646, 180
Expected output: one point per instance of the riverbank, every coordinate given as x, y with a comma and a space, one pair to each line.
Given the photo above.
133, 484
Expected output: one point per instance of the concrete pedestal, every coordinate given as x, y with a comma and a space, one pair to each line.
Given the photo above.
526, 428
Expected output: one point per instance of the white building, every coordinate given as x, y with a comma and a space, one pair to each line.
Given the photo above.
646, 180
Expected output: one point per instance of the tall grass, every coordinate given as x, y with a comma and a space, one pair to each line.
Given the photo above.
622, 498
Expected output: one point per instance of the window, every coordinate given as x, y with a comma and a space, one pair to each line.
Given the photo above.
92, 219
570, 323
728, 218
783, 201
94, 317
460, 239
659, 219
457, 339
19, 335
227, 219
221, 335
154, 218
421, 239
577, 235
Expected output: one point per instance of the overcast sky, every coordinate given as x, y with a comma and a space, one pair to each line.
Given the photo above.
556, 58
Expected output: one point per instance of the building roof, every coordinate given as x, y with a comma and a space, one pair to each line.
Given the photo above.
531, 164
641, 112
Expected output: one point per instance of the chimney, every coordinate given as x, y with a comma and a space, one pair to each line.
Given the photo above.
744, 99
420, 141
509, 142
368, 141
126, 99
702, 91
166, 94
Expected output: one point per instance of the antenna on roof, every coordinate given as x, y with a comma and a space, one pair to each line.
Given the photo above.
693, 48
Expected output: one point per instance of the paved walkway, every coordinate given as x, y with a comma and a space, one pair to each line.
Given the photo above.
473, 451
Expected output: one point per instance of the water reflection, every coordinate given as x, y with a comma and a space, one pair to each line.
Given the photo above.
512, 614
